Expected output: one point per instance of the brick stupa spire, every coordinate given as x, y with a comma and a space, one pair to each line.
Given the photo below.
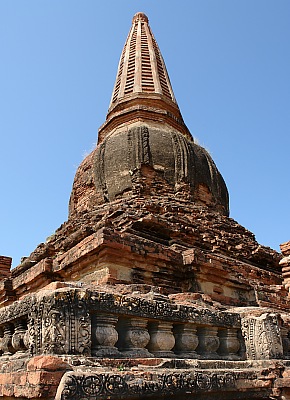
142, 89
144, 147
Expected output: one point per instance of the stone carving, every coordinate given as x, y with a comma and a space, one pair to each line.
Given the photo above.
80, 320
145, 145
181, 155
100, 171
76, 386
54, 332
60, 324
102, 301
262, 337
17, 309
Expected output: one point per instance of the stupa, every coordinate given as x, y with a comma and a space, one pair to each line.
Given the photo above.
149, 289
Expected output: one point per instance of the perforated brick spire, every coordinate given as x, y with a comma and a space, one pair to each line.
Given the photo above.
141, 67
142, 89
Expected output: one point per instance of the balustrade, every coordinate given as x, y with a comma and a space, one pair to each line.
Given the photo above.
74, 324
12, 338
137, 337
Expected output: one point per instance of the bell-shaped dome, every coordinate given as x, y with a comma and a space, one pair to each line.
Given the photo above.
148, 161
144, 147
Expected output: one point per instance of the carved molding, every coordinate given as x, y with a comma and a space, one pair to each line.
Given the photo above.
90, 386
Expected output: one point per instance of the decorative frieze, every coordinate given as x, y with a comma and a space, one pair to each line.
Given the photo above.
75, 386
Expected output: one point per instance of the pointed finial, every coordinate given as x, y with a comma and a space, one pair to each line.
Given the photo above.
142, 89
140, 17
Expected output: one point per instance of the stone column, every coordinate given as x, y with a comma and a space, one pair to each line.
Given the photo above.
208, 342
161, 339
18, 336
134, 337
6, 345
229, 343
186, 340
285, 341
104, 335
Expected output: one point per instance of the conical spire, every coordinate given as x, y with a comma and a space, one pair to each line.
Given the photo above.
141, 67
142, 89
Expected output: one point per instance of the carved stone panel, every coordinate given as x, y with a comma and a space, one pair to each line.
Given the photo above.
262, 337
60, 323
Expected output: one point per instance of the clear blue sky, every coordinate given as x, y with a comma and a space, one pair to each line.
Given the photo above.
229, 64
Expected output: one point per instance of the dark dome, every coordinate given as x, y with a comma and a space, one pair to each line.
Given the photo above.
148, 161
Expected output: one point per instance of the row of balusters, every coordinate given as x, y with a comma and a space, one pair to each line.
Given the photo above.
114, 336
14, 337
138, 337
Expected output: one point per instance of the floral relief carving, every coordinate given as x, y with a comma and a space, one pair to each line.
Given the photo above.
262, 336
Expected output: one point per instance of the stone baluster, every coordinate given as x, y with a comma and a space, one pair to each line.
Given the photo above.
18, 336
186, 340
6, 345
162, 339
104, 335
285, 341
208, 342
229, 343
134, 337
